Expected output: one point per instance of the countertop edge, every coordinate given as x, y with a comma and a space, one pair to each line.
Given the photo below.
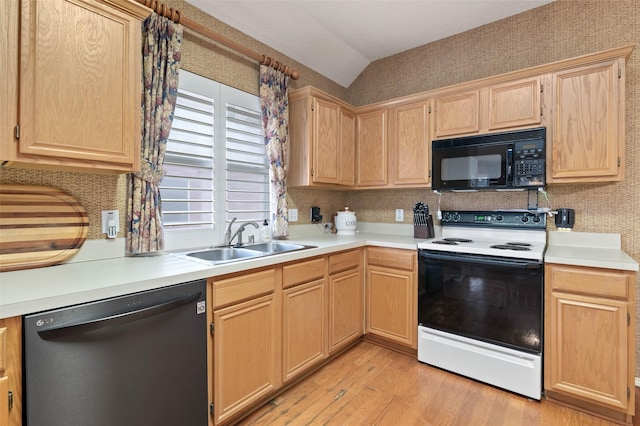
35, 290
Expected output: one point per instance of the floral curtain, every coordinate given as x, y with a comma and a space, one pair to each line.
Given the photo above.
161, 41
274, 102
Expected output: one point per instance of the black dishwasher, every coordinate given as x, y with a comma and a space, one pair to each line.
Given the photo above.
133, 360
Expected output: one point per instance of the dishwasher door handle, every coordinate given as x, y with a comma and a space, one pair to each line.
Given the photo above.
117, 318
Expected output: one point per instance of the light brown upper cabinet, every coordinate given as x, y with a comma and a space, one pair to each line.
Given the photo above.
514, 104
322, 140
457, 113
586, 142
488, 108
580, 101
372, 162
77, 84
409, 144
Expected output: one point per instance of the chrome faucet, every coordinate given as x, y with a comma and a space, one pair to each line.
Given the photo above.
227, 233
228, 238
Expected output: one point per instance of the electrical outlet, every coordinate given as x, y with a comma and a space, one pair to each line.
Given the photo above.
399, 215
110, 223
293, 215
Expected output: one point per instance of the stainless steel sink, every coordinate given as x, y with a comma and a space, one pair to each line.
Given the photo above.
276, 247
225, 254
218, 255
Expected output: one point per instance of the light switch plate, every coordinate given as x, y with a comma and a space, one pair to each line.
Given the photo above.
399, 215
293, 215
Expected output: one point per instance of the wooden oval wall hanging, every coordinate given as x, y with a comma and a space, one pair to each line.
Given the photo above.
39, 226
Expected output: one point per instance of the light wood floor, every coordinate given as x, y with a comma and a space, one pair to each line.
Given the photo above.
371, 385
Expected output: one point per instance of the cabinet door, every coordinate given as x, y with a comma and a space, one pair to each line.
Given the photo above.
590, 335
79, 84
514, 104
588, 348
372, 149
457, 114
4, 379
9, 59
326, 141
345, 308
11, 371
587, 143
409, 144
391, 304
303, 327
347, 152
245, 355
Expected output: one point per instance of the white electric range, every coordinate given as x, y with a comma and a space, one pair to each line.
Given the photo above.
480, 298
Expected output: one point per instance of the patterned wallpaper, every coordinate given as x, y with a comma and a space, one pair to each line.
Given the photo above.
556, 31
559, 30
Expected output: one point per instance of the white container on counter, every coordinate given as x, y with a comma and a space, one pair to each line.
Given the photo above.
346, 222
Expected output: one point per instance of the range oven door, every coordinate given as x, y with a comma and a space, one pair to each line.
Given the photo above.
493, 299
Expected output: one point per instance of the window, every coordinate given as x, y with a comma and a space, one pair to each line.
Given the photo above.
216, 165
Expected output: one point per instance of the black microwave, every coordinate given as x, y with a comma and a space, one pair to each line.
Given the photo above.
506, 160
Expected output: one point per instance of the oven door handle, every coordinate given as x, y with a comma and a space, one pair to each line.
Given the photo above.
483, 260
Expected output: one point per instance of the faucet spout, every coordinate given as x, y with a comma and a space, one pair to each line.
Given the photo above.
239, 231
227, 232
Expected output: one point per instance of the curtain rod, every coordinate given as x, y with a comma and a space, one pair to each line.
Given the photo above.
176, 16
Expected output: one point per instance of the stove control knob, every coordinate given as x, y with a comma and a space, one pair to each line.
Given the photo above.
536, 219
456, 217
446, 217
499, 218
525, 219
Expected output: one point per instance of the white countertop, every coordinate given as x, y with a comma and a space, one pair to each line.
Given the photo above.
597, 250
34, 290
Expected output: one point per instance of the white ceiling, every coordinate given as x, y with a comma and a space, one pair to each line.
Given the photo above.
339, 38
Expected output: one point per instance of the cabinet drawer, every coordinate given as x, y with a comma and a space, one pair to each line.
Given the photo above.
244, 287
302, 272
584, 280
391, 258
343, 261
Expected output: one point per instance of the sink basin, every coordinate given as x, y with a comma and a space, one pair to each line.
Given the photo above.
218, 255
276, 247
225, 254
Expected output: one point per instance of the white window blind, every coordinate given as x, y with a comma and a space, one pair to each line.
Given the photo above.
247, 176
215, 163
187, 190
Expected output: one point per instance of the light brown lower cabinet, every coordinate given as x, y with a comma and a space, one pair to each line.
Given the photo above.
246, 341
270, 326
391, 295
11, 371
345, 299
590, 339
304, 317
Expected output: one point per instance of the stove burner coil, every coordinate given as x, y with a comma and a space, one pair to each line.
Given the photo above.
452, 241
510, 247
519, 244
